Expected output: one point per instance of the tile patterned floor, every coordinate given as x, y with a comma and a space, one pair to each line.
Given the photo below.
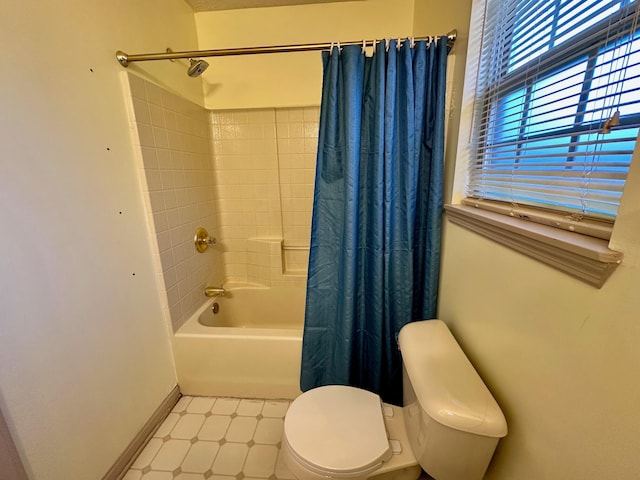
216, 439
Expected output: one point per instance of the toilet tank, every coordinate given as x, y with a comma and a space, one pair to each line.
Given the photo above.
452, 420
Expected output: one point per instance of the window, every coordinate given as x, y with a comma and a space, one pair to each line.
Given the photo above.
555, 91
557, 108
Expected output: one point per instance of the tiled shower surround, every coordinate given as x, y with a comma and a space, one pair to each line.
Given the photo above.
177, 177
245, 175
264, 173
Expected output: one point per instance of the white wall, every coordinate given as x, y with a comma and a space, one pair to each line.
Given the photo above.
430, 17
84, 353
287, 79
560, 356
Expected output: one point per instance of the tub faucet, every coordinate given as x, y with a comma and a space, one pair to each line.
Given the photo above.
214, 291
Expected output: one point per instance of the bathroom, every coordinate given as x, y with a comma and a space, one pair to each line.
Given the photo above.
85, 353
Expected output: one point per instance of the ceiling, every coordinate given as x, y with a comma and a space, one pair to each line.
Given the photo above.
209, 5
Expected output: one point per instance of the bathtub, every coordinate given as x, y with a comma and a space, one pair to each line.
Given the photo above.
250, 349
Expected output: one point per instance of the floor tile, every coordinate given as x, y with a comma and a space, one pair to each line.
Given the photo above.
261, 461
275, 408
182, 404
269, 431
214, 427
200, 405
148, 453
158, 476
200, 457
133, 475
225, 406
167, 425
188, 426
216, 438
241, 429
230, 459
282, 471
171, 455
190, 476
250, 408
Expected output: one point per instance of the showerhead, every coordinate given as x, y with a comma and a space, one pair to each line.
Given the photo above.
197, 67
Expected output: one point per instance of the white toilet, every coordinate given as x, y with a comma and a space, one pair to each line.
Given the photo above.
450, 423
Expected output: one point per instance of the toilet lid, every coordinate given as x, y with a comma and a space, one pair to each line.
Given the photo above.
337, 430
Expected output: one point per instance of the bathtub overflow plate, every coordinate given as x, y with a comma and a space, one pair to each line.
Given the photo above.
215, 308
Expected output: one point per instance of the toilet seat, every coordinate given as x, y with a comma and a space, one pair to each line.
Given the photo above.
337, 431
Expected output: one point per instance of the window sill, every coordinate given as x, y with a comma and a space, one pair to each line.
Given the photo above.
587, 258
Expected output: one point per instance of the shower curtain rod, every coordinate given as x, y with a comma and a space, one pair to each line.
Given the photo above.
125, 59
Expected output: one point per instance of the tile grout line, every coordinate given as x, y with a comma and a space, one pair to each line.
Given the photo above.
276, 414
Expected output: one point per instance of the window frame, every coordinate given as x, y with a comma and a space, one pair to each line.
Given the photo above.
586, 258
585, 47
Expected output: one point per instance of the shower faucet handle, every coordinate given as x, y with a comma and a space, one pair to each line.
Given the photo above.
202, 240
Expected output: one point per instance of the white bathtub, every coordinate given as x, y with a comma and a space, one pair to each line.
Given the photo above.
250, 349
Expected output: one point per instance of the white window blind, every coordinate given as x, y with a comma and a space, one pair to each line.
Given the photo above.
558, 105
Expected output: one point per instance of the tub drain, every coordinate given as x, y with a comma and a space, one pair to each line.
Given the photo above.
215, 308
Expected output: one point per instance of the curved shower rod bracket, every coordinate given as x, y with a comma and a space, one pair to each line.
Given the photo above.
125, 59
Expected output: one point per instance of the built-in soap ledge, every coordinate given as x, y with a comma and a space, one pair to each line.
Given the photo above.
271, 261
296, 259
295, 246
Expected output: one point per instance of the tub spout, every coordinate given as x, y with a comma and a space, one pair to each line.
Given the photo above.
214, 291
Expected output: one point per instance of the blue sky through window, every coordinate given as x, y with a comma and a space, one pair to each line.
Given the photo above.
544, 24
568, 66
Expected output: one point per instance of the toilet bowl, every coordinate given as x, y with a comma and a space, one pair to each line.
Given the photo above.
345, 432
449, 425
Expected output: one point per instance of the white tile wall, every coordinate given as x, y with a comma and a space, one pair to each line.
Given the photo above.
247, 183
177, 178
264, 168
296, 260
297, 146
245, 175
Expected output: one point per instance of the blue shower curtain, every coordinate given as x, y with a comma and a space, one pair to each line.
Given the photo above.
375, 235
